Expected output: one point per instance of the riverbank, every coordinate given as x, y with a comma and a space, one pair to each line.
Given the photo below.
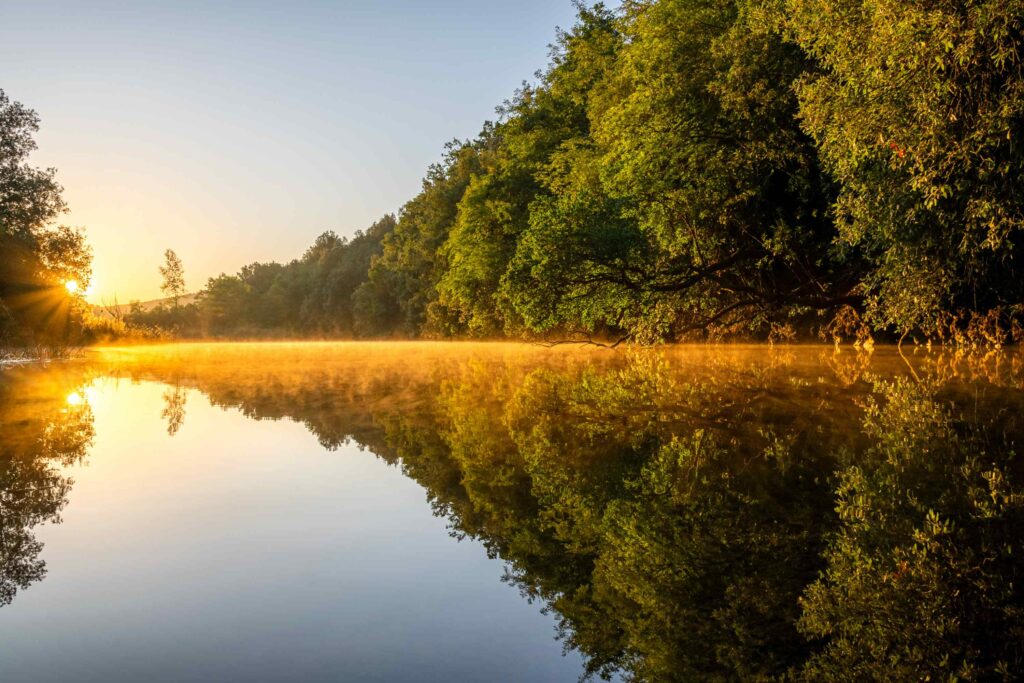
41, 354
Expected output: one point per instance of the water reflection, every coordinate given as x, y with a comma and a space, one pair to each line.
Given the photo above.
174, 408
691, 514
45, 424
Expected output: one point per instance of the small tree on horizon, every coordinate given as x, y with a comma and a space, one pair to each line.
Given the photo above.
173, 273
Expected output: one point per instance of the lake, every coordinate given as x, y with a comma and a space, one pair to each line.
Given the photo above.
501, 512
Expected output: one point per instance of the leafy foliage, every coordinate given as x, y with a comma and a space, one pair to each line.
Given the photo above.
688, 168
312, 295
916, 111
36, 257
680, 169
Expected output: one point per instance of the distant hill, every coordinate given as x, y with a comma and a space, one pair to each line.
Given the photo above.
121, 309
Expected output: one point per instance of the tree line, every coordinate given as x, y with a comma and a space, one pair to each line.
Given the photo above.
702, 169
317, 294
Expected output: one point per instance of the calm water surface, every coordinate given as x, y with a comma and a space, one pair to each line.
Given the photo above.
461, 512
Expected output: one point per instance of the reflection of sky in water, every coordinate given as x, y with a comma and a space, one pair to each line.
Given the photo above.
241, 550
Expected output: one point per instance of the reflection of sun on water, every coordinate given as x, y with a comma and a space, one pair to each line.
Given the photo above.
77, 398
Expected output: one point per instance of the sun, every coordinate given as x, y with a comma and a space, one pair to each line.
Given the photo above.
71, 286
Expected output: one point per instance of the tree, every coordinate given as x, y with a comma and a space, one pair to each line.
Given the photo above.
36, 258
495, 211
339, 272
400, 295
697, 205
173, 274
917, 108
688, 168
222, 303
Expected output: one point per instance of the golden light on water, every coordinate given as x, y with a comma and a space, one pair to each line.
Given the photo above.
82, 396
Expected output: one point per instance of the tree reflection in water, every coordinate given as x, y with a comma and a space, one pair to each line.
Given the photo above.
46, 424
704, 514
174, 398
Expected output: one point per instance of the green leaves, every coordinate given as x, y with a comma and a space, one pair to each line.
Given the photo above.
699, 169
914, 110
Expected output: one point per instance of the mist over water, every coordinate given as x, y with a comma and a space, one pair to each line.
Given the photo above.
456, 511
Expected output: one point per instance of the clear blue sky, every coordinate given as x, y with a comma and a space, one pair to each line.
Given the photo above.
238, 131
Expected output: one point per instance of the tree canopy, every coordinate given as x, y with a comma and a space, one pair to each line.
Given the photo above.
680, 169
700, 169
37, 257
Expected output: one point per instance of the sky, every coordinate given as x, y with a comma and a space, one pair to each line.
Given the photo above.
235, 132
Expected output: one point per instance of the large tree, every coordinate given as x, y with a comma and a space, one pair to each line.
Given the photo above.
495, 213
37, 258
918, 110
698, 203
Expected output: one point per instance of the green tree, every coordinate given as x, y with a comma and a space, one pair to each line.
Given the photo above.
917, 108
698, 204
340, 272
400, 295
681, 169
222, 304
495, 211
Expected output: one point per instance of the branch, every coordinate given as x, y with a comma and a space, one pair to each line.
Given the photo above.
550, 343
